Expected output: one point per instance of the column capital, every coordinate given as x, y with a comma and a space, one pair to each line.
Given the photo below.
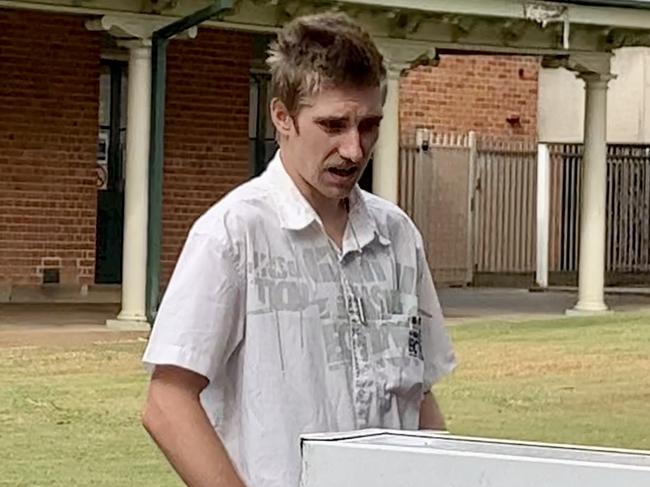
134, 44
401, 55
129, 27
596, 80
590, 66
395, 70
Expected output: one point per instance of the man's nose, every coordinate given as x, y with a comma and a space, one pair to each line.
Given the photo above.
350, 147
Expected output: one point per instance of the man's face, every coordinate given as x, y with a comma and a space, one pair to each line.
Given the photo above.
329, 142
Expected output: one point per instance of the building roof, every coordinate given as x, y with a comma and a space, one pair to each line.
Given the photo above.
643, 4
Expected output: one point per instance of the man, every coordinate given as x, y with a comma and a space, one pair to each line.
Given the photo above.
299, 303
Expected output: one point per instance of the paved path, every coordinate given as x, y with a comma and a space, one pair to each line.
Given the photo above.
462, 305
70, 324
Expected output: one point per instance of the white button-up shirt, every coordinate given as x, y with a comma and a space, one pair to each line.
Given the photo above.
295, 335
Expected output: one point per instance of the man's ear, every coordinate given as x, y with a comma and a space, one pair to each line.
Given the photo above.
281, 117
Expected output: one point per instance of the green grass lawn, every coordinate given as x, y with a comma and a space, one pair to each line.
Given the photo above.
70, 415
579, 380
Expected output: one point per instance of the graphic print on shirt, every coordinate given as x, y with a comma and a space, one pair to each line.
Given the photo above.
284, 289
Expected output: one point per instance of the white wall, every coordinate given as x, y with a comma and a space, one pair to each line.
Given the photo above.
561, 101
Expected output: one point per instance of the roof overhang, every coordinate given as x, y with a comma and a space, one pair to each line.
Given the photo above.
496, 26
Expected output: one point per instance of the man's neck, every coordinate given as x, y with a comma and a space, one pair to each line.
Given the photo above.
332, 212
335, 220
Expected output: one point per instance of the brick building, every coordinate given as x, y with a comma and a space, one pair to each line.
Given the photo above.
49, 97
55, 219
75, 88
491, 95
59, 222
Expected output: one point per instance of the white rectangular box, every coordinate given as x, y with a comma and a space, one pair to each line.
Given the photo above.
379, 458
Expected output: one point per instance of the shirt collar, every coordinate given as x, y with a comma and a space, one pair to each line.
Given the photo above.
293, 209
296, 213
360, 220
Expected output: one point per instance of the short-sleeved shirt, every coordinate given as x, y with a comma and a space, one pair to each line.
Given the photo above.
294, 334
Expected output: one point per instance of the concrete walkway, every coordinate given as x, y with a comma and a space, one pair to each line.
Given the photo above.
53, 315
24, 325
462, 305
33, 324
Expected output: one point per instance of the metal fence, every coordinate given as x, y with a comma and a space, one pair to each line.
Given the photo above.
474, 200
564, 225
627, 246
504, 208
434, 189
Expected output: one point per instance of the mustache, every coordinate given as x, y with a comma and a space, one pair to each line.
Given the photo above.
343, 164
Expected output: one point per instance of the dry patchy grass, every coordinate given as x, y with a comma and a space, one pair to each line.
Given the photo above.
69, 413
579, 380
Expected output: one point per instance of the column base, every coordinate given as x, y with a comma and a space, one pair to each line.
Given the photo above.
589, 309
126, 324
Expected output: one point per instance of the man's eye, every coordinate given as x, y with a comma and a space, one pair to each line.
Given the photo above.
333, 125
368, 126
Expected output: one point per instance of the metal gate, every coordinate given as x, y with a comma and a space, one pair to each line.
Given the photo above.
627, 247
505, 206
474, 200
435, 190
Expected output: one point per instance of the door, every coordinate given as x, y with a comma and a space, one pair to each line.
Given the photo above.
110, 170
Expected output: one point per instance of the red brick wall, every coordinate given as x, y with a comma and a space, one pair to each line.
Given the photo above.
206, 131
49, 81
48, 131
472, 92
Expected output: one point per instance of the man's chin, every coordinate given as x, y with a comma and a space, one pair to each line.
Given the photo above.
338, 193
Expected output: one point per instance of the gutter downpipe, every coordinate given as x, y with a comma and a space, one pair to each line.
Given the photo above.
159, 42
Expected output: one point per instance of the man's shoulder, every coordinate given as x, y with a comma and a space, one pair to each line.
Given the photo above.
386, 212
243, 206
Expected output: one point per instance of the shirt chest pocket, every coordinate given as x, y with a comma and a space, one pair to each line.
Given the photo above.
396, 353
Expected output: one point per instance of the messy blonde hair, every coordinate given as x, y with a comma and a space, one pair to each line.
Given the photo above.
322, 50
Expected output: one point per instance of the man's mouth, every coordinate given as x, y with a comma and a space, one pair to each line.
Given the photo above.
343, 172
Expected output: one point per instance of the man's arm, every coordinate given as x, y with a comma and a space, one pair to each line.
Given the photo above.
175, 419
431, 417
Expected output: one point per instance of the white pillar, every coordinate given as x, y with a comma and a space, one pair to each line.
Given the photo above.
543, 213
385, 165
136, 191
591, 266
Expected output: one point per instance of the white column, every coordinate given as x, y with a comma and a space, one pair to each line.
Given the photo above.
543, 213
591, 267
385, 165
399, 55
136, 191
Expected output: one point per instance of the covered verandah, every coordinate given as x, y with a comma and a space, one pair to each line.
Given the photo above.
579, 36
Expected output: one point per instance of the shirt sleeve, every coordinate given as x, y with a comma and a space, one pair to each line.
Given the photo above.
200, 319
437, 350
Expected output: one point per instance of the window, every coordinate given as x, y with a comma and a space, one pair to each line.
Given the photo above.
111, 141
261, 132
